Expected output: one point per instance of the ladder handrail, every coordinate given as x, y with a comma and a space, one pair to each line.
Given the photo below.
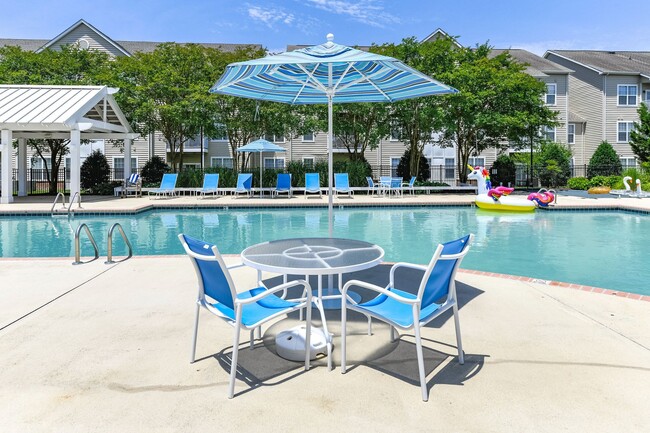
109, 242
56, 199
77, 248
76, 195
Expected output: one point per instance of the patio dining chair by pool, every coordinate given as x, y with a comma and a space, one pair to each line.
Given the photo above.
409, 185
167, 186
342, 184
244, 310
210, 185
132, 185
404, 310
283, 184
396, 186
312, 184
244, 184
373, 188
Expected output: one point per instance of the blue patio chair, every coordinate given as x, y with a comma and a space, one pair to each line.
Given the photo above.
404, 310
342, 184
210, 185
396, 186
244, 184
384, 184
312, 184
167, 186
246, 310
372, 188
283, 184
132, 185
409, 185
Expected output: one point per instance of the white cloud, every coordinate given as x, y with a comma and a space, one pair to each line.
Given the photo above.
369, 12
269, 16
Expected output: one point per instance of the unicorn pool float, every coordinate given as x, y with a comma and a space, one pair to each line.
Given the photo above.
499, 198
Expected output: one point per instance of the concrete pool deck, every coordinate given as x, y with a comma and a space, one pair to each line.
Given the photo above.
105, 348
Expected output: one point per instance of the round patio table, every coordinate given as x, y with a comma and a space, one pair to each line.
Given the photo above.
315, 256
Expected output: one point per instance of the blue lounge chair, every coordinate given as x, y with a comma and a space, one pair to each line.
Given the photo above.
167, 186
404, 310
246, 310
372, 187
409, 185
132, 185
210, 185
342, 184
283, 184
244, 184
312, 184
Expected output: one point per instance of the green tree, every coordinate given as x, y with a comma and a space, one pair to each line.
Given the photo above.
640, 135
604, 161
497, 104
504, 170
68, 65
360, 127
94, 170
153, 170
554, 164
404, 167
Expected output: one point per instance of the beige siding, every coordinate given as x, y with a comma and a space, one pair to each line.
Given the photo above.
95, 41
615, 113
560, 80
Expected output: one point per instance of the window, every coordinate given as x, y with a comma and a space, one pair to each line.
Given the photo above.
571, 133
624, 128
627, 94
274, 138
37, 163
548, 132
450, 169
551, 91
395, 134
192, 166
646, 99
394, 162
221, 162
308, 138
628, 163
476, 161
118, 166
277, 163
308, 162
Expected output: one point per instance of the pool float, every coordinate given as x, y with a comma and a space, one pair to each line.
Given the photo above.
626, 191
543, 197
496, 198
639, 193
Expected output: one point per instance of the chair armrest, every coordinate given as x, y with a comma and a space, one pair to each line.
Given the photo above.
235, 266
279, 288
375, 288
404, 265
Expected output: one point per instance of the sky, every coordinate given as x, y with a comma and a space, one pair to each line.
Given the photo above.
534, 26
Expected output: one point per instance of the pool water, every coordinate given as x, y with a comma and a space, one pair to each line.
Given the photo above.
604, 249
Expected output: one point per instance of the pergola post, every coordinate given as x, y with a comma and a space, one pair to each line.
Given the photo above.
7, 167
75, 162
127, 158
22, 167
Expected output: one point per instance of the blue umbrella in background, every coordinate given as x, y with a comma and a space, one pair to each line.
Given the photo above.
327, 74
260, 146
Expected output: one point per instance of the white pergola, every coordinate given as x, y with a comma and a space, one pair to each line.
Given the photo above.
66, 112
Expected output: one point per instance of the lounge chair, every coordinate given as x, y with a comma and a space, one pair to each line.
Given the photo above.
342, 184
312, 184
409, 185
167, 186
246, 310
283, 184
372, 187
132, 185
404, 310
244, 184
210, 185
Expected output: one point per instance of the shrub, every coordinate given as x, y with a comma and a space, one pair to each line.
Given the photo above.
604, 162
581, 183
357, 171
153, 171
190, 178
94, 171
403, 170
554, 164
503, 171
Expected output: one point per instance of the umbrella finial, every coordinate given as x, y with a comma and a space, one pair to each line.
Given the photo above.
330, 38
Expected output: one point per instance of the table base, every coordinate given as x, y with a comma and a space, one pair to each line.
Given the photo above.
290, 344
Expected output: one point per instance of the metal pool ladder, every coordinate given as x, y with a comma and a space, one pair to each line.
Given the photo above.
77, 248
65, 210
109, 241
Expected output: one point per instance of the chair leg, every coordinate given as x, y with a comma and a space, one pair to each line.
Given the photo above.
420, 356
343, 335
369, 325
252, 339
308, 336
459, 343
233, 365
393, 335
196, 331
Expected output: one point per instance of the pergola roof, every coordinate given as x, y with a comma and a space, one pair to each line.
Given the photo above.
53, 111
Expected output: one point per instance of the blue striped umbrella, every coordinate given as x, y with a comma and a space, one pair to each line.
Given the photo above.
260, 146
327, 74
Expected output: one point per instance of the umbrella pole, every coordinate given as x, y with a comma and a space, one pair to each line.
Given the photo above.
330, 203
261, 165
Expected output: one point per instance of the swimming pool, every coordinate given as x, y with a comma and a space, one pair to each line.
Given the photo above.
598, 248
